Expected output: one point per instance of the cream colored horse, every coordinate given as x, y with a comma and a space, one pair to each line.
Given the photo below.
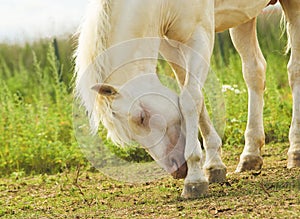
133, 105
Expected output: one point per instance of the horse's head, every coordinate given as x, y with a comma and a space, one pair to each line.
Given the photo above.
145, 111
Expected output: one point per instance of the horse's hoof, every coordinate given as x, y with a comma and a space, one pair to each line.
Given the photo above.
194, 190
293, 160
249, 162
216, 175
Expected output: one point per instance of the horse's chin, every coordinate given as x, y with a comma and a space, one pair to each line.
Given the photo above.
181, 172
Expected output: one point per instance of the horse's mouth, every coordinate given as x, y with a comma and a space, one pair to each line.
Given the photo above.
181, 172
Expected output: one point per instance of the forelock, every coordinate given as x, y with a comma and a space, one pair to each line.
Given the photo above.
117, 131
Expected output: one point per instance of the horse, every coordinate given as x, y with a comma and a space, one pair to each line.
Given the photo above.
116, 80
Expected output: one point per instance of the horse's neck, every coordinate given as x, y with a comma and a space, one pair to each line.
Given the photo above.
131, 59
123, 75
130, 52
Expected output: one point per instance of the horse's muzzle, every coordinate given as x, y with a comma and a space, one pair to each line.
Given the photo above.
181, 172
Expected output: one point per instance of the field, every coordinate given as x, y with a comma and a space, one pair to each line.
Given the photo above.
44, 174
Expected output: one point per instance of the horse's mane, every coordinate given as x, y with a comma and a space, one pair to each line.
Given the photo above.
284, 26
92, 41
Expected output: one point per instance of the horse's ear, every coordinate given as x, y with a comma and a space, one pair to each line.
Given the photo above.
105, 89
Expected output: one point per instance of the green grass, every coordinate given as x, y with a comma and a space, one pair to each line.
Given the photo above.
36, 110
40, 157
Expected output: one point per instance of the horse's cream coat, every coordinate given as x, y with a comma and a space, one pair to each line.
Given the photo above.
133, 108
230, 13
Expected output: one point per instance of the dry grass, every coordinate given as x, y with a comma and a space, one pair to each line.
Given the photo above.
271, 193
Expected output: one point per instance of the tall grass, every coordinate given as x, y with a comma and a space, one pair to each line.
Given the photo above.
36, 134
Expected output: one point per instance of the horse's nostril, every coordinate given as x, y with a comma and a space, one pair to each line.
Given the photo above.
179, 172
174, 164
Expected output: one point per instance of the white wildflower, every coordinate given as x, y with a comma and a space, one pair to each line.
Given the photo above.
233, 88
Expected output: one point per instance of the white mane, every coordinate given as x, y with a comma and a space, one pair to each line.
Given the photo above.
91, 43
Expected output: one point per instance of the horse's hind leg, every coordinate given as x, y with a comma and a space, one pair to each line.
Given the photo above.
291, 9
254, 66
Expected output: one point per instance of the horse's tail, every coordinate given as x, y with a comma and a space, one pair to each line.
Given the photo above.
284, 27
92, 38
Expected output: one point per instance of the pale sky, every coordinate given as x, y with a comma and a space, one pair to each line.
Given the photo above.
22, 20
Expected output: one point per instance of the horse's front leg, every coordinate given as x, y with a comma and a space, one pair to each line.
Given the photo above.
197, 57
191, 103
214, 168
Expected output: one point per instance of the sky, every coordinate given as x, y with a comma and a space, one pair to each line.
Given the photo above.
27, 20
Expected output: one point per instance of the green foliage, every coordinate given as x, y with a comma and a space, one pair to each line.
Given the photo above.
36, 134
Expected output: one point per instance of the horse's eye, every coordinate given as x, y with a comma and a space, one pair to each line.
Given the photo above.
143, 118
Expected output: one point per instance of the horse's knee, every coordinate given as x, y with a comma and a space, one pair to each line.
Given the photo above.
191, 100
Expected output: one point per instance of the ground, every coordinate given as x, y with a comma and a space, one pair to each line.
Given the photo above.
273, 192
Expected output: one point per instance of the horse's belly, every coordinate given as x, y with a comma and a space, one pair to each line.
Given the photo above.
230, 13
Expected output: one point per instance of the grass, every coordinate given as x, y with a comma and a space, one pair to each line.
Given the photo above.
36, 124
44, 174
271, 193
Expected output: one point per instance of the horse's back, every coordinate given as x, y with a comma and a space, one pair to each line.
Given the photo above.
230, 13
176, 19
182, 16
